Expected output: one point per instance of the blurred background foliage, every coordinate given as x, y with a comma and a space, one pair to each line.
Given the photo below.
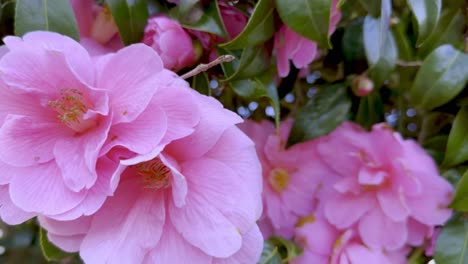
407, 94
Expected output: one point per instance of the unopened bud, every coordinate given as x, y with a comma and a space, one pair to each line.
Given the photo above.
362, 85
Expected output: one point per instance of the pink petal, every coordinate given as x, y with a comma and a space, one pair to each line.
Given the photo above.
9, 213
177, 101
127, 226
360, 254
66, 243
393, 204
305, 53
41, 189
95, 196
141, 135
378, 231
214, 121
345, 210
172, 248
130, 76
205, 227
84, 15
179, 182
76, 157
26, 142
79, 226
417, 232
252, 245
218, 184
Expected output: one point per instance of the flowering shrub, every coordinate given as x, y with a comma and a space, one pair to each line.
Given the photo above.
266, 131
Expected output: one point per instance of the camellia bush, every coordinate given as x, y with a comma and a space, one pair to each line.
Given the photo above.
234, 131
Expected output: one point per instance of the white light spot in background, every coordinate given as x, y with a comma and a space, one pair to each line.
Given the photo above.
269, 111
412, 127
2, 250
243, 111
1, 233
432, 262
253, 106
289, 98
411, 112
311, 92
214, 84
311, 78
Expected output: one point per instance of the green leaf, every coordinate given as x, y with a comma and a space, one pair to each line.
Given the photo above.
49, 15
353, 47
321, 114
441, 77
452, 243
379, 44
257, 88
449, 30
270, 254
460, 200
192, 14
51, 252
457, 146
201, 83
427, 13
253, 62
259, 29
309, 18
404, 45
371, 110
373, 7
130, 17
288, 249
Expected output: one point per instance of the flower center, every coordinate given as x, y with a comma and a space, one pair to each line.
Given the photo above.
155, 174
279, 179
71, 107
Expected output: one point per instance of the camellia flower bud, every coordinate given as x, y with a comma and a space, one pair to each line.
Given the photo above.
362, 85
170, 41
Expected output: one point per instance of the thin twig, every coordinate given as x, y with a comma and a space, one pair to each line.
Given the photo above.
409, 63
204, 67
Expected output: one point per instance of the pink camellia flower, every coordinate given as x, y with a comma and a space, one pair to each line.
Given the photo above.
324, 244
170, 41
197, 201
389, 189
62, 112
302, 51
290, 177
96, 25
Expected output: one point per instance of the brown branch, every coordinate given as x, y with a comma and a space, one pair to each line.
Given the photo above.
204, 67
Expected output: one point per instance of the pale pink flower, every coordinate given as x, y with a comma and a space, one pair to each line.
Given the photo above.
96, 25
302, 51
389, 189
195, 202
170, 41
291, 177
322, 243
62, 112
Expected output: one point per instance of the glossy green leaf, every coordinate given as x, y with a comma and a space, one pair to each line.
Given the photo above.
373, 7
322, 114
427, 13
352, 46
457, 146
257, 88
404, 45
460, 200
452, 243
309, 18
48, 15
287, 249
371, 110
379, 44
259, 29
201, 83
441, 77
130, 17
449, 30
270, 254
192, 14
50, 251
253, 62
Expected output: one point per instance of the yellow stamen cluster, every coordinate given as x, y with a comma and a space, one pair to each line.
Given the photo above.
279, 179
155, 174
70, 106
